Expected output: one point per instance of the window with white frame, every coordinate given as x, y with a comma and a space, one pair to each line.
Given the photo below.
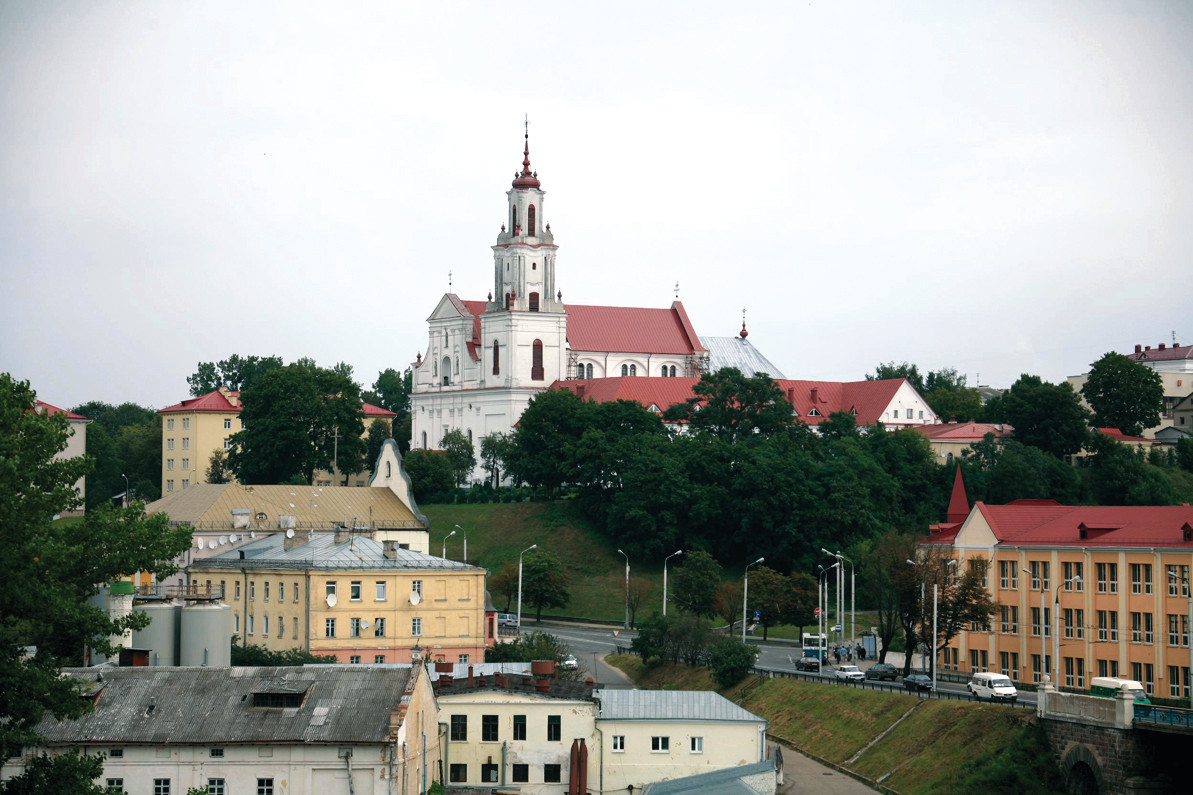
329, 627
116, 784
660, 744
379, 593
161, 786
1141, 578
354, 591
216, 786
416, 627
169, 425
186, 423
227, 423
379, 627
697, 745
619, 743
354, 627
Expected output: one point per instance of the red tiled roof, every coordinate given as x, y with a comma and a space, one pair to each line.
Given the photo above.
627, 329
46, 408
212, 401
1161, 353
1093, 525
647, 391
1119, 436
369, 410
964, 431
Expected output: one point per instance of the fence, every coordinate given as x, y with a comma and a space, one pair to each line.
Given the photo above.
1164, 716
947, 695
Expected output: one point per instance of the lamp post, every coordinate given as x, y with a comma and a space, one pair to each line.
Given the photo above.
745, 597
852, 594
822, 596
935, 609
627, 589
669, 557
465, 534
520, 554
1184, 580
923, 597
1043, 628
1056, 617
445, 538
125, 489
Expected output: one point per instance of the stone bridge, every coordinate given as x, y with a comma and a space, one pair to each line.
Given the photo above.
1102, 746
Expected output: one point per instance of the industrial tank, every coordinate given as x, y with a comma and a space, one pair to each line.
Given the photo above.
206, 637
161, 636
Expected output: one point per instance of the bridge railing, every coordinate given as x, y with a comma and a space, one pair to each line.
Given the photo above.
1164, 716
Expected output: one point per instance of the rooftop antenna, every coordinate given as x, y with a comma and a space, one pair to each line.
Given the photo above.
677, 291
449, 281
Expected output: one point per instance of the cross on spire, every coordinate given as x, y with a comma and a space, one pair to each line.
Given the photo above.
677, 291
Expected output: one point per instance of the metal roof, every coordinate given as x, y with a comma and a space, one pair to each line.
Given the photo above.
207, 506
738, 352
213, 706
654, 705
718, 782
322, 552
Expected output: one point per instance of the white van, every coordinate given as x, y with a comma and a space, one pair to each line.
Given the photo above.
992, 687
1107, 687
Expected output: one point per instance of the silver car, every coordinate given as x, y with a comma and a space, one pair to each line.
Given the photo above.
850, 673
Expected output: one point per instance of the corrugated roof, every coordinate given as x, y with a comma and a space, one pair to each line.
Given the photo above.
1119, 436
738, 352
46, 408
322, 552
1160, 354
212, 401
214, 706
1093, 525
210, 506
717, 782
964, 431
626, 329
695, 705
656, 391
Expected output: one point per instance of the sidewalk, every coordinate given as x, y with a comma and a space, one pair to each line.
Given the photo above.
805, 776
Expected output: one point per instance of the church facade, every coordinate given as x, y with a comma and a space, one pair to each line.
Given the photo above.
486, 359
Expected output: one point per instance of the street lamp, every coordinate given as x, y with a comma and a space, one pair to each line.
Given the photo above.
1184, 580
627, 589
445, 538
822, 619
745, 595
935, 603
669, 557
520, 554
125, 489
1056, 617
852, 594
1048, 670
465, 534
923, 600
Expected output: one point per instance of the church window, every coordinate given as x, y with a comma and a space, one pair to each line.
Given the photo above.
469, 436
664, 371
513, 218
509, 299
496, 358
424, 440
625, 370
534, 266
588, 370
536, 361
446, 367
672, 371
633, 369
530, 221
534, 302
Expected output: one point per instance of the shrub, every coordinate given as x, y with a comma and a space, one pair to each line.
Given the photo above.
730, 660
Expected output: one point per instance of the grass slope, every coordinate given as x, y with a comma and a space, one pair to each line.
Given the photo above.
940, 747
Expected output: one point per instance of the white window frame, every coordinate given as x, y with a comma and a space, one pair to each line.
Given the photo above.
660, 744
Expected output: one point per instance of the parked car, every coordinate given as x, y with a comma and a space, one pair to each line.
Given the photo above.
882, 671
851, 673
918, 682
992, 687
807, 663
569, 663
507, 619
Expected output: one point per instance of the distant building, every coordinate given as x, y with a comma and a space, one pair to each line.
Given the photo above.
269, 731
76, 446
1174, 365
949, 440
197, 427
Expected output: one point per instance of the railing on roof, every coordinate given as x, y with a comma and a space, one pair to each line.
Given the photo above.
328, 525
206, 592
330, 562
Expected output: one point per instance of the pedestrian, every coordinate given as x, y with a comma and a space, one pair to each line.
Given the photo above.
849, 654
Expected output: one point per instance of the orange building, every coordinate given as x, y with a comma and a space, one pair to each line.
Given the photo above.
1113, 581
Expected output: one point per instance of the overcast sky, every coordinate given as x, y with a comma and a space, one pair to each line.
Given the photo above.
1001, 187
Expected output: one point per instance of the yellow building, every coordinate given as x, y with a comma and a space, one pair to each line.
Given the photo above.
197, 427
350, 595
1113, 581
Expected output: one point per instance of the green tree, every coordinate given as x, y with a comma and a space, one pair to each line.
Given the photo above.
726, 603
533, 646
640, 590
544, 582
734, 406
430, 473
391, 390
886, 582
297, 419
894, 369
379, 431
695, 581
53, 568
254, 655
544, 439
236, 372
71, 773
730, 660
1047, 416
1184, 453
505, 583
772, 597
460, 455
1120, 476
217, 467
496, 449
124, 441
1124, 394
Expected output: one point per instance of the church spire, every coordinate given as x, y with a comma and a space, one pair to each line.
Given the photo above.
958, 503
528, 178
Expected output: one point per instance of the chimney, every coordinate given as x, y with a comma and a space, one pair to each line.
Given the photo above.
471, 681
343, 535
1138, 348
791, 395
579, 390
1147, 347
1161, 346
815, 394
389, 549
299, 538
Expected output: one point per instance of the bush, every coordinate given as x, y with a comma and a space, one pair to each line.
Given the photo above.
730, 660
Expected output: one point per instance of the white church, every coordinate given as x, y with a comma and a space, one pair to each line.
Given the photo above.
486, 359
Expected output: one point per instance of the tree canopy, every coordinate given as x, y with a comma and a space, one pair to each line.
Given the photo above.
458, 449
124, 440
1047, 416
297, 419
236, 372
544, 582
53, 568
1124, 394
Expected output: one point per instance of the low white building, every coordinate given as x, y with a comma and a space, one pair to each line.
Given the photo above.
261, 731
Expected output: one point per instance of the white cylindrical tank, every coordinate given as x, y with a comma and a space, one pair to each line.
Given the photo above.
206, 637
161, 636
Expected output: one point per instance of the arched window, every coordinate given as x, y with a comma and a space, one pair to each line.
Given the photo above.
664, 371
536, 361
588, 370
513, 218
530, 220
389, 470
509, 299
446, 368
469, 436
534, 302
625, 370
496, 358
633, 369
672, 371
424, 440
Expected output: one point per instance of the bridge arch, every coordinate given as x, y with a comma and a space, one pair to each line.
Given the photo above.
1083, 773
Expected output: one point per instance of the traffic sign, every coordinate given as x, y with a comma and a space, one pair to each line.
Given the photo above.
817, 613
757, 614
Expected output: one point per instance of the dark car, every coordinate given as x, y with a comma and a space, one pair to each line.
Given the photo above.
807, 664
882, 671
918, 682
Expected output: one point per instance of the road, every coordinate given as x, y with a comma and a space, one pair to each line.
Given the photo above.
591, 644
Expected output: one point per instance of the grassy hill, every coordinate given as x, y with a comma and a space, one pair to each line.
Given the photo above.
937, 746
